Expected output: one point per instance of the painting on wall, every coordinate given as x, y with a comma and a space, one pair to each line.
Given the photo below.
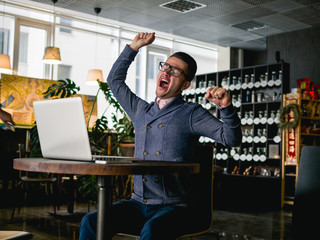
18, 93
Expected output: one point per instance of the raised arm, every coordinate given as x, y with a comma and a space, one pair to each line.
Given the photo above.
118, 74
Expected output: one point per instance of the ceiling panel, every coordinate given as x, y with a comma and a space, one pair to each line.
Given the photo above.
211, 24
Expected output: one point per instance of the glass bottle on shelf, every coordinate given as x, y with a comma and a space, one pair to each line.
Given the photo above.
243, 156
272, 117
262, 81
244, 85
258, 118
250, 136
256, 156
224, 155
236, 156
256, 139
211, 83
238, 101
257, 84
263, 155
263, 137
277, 138
263, 120
218, 155
245, 133
253, 96
279, 80
259, 97
251, 82
274, 96
232, 151
233, 83
208, 106
238, 85
272, 80
248, 97
202, 86
234, 100
244, 120
224, 83
250, 118
228, 83
250, 154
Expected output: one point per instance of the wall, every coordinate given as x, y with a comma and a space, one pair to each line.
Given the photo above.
253, 58
301, 49
223, 58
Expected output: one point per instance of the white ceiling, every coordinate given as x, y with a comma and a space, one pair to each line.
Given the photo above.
212, 24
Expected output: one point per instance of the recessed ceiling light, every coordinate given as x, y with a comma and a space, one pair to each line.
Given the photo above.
250, 25
182, 6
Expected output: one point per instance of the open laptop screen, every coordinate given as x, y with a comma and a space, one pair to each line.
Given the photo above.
62, 129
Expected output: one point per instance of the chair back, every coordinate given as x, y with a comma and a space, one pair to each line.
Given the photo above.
306, 209
203, 191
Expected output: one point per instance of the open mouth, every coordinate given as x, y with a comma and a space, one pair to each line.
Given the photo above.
164, 83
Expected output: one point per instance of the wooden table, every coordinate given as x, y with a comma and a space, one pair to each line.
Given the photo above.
104, 173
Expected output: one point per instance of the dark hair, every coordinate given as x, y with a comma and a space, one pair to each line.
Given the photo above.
192, 64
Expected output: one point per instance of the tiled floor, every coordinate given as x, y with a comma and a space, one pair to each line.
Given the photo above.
246, 225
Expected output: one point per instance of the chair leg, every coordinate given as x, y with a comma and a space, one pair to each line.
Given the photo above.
18, 204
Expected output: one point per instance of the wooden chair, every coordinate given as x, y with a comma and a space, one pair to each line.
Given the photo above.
306, 209
15, 235
25, 179
203, 189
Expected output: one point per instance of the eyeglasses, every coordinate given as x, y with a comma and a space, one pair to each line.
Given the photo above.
174, 71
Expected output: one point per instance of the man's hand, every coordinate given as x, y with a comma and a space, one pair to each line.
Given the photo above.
218, 96
142, 39
6, 118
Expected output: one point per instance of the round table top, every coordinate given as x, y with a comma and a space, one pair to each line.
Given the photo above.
139, 167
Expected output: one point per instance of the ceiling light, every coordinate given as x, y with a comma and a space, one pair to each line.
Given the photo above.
5, 65
182, 6
52, 53
95, 75
250, 25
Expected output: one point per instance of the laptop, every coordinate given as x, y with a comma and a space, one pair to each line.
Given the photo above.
63, 132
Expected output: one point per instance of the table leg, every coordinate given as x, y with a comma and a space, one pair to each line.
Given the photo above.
104, 205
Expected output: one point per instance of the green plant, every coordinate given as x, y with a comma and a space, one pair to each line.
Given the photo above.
64, 88
122, 127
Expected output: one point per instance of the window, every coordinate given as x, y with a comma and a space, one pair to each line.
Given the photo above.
23, 53
4, 40
64, 71
6, 35
65, 22
32, 42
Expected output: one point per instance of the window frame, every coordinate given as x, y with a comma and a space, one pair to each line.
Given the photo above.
35, 24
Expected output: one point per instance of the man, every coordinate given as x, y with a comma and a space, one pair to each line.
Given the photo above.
6, 119
168, 129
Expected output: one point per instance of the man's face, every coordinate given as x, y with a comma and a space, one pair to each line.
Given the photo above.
168, 85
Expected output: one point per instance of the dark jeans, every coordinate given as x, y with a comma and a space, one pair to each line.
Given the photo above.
151, 222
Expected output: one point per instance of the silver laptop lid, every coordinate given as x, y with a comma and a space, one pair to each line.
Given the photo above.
62, 129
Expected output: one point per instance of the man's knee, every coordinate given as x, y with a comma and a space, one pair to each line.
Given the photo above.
89, 220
